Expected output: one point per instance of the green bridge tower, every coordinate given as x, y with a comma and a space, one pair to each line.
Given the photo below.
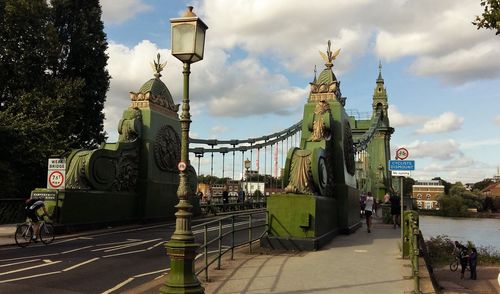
372, 170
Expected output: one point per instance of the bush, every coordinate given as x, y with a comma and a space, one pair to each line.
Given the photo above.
440, 250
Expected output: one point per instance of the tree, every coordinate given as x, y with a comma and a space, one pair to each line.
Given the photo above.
490, 19
46, 96
82, 56
482, 184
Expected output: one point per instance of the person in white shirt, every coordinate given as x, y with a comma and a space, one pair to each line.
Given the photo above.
369, 202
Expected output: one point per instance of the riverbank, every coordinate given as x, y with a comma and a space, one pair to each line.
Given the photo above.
492, 215
487, 280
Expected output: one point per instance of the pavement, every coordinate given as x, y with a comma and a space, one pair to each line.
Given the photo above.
7, 234
361, 262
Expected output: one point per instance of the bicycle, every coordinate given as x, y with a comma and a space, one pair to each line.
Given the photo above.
455, 263
24, 233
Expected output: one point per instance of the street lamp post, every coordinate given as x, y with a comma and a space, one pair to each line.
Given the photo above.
188, 42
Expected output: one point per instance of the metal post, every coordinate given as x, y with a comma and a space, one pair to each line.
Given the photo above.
232, 237
205, 237
401, 218
220, 245
250, 232
181, 248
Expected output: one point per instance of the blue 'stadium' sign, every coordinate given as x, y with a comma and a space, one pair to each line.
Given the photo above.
401, 165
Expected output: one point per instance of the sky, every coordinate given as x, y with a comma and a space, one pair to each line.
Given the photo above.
442, 74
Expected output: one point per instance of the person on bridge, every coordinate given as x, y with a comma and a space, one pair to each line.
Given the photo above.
369, 205
395, 210
31, 208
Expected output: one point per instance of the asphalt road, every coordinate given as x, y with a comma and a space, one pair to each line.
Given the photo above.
104, 262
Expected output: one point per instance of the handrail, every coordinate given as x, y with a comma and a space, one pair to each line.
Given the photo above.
411, 223
220, 251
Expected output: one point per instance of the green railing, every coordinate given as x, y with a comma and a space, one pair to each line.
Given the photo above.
228, 223
411, 248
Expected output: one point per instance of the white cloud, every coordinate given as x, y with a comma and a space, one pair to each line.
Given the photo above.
399, 119
480, 143
440, 150
497, 120
446, 122
217, 130
117, 12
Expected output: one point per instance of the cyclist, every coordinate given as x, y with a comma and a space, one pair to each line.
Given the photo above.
31, 208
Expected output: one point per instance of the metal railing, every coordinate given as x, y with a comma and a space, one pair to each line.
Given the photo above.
249, 225
412, 240
215, 208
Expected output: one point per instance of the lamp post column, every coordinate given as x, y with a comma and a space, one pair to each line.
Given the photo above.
181, 247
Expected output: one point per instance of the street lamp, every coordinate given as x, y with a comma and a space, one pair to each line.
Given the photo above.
188, 42
247, 167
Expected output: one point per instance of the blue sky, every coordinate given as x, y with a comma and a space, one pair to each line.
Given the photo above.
442, 75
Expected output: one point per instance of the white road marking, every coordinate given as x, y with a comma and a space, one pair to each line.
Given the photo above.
121, 242
156, 245
14, 263
136, 276
80, 264
124, 253
28, 277
123, 246
360, 250
77, 249
85, 238
152, 273
28, 268
28, 257
118, 286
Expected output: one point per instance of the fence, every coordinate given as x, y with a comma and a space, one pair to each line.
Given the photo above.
215, 208
249, 226
411, 244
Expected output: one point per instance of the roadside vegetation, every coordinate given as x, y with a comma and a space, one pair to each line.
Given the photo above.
440, 250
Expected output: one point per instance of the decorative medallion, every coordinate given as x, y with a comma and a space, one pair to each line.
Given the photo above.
349, 149
167, 149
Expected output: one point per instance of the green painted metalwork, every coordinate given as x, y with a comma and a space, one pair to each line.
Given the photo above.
135, 177
320, 175
372, 169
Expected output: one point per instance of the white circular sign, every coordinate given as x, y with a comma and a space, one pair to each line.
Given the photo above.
56, 179
402, 153
182, 166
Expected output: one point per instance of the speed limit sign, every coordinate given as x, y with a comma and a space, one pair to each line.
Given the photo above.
55, 179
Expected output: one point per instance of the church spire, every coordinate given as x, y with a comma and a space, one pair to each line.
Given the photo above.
380, 79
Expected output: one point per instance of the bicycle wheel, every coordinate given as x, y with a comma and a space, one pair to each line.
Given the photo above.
46, 233
454, 265
23, 235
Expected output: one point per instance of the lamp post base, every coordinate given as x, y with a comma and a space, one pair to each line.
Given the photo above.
181, 278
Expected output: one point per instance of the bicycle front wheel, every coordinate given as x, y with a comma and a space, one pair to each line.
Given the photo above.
47, 233
23, 235
454, 265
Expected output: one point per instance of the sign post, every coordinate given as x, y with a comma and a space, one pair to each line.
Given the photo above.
402, 169
56, 175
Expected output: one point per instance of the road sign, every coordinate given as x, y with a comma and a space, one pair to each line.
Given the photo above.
401, 165
402, 153
55, 179
401, 173
56, 175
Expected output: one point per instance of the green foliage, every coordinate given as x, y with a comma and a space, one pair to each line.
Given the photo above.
490, 19
44, 109
452, 205
440, 249
482, 184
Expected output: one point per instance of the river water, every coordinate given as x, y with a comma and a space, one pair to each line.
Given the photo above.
480, 231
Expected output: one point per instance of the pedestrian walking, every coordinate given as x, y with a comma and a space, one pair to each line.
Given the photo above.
395, 211
369, 204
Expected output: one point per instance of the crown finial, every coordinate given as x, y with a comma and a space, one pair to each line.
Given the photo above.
158, 66
329, 57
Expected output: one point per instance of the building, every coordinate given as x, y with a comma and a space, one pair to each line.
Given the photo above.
426, 193
250, 187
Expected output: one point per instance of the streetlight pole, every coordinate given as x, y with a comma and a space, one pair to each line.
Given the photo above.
188, 40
